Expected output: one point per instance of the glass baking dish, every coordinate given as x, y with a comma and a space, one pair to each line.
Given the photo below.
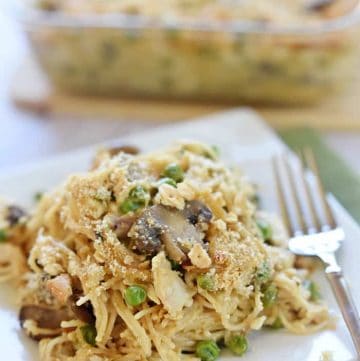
115, 54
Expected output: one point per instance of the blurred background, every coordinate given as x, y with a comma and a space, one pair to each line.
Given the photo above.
69, 80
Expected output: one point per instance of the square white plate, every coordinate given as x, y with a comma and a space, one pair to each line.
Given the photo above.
244, 139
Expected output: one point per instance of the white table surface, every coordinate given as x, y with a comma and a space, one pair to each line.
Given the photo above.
26, 137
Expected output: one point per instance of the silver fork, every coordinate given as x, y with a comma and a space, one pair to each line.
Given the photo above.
315, 238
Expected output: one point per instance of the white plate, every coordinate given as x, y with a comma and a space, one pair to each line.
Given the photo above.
243, 139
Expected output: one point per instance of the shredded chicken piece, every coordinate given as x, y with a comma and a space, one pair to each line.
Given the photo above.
169, 287
199, 257
60, 287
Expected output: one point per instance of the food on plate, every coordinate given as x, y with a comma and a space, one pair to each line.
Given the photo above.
156, 256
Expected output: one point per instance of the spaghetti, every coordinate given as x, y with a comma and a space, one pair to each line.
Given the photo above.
158, 256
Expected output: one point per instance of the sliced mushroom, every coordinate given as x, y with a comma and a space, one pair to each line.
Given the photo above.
163, 225
179, 234
68, 291
84, 312
122, 224
145, 234
172, 248
129, 149
197, 212
44, 316
14, 214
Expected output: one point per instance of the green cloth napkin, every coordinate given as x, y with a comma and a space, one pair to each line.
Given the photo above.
336, 174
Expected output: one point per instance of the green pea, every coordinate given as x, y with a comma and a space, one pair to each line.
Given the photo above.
265, 229
138, 193
89, 334
166, 180
129, 206
137, 199
38, 196
207, 350
269, 296
174, 172
263, 272
3, 235
255, 198
206, 282
313, 288
238, 345
277, 324
135, 295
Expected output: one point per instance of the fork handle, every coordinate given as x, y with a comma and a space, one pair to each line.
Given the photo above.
347, 306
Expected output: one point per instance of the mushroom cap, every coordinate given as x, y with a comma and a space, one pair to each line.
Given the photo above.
44, 316
122, 224
84, 312
168, 226
14, 214
197, 212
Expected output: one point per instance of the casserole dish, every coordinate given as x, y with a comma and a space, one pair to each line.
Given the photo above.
114, 53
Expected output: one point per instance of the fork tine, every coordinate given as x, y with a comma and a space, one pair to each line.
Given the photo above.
312, 165
282, 198
294, 194
308, 195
